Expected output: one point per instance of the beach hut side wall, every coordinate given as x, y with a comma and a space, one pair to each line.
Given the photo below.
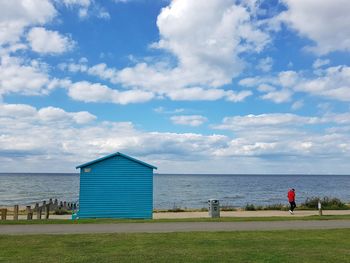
116, 188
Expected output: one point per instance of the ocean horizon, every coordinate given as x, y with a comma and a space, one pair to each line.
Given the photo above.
184, 190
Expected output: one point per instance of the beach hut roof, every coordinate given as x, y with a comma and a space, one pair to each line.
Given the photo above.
113, 155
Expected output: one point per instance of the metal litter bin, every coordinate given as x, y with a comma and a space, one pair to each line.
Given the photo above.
214, 208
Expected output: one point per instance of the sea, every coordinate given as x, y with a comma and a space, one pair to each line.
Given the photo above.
184, 190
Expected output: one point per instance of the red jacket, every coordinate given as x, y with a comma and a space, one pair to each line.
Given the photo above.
291, 196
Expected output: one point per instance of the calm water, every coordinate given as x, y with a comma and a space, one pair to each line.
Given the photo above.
185, 191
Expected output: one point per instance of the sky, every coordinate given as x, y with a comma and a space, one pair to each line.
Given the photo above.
189, 86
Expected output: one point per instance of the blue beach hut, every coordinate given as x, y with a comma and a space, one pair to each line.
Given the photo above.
116, 186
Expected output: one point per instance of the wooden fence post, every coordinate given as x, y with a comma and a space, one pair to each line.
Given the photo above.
51, 204
47, 211
15, 212
3, 213
38, 212
29, 213
44, 205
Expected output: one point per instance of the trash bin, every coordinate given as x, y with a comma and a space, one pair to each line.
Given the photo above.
214, 208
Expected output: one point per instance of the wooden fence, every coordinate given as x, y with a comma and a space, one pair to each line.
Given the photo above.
40, 210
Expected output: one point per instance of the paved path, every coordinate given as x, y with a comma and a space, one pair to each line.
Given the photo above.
170, 227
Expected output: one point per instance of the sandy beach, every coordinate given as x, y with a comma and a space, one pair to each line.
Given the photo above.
260, 213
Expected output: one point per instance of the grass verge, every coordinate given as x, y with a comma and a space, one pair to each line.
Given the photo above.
222, 219
268, 246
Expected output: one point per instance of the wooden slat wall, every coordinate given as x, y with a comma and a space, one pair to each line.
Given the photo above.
116, 188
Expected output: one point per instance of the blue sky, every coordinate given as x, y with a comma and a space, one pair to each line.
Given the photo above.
216, 86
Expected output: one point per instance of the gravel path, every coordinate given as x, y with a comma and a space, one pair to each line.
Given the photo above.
170, 227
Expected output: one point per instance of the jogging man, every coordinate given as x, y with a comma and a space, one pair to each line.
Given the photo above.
291, 199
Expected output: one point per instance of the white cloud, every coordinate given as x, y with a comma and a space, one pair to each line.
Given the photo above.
258, 81
101, 70
333, 83
51, 137
165, 111
265, 64
320, 63
8, 49
96, 92
288, 78
191, 120
103, 14
196, 93
87, 8
17, 110
83, 3
48, 42
206, 39
83, 12
284, 122
339, 118
297, 105
209, 34
280, 96
325, 22
83, 117
330, 83
47, 137
285, 135
16, 15
31, 78
52, 114
238, 96
73, 67
30, 114
250, 121
150, 80
83, 6
26, 79
83, 60
266, 88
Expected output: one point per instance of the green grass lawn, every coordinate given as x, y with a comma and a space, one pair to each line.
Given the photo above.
222, 219
267, 246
